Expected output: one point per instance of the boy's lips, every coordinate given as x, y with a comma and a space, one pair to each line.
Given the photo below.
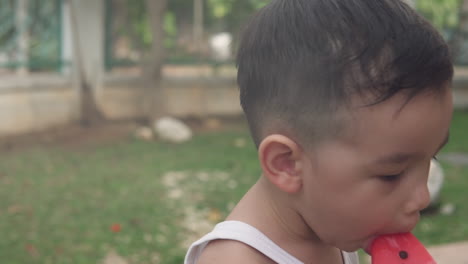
406, 229
368, 244
399, 248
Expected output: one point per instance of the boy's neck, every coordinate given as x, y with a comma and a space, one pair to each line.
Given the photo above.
273, 214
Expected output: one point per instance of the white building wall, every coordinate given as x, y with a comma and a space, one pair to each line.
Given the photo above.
38, 102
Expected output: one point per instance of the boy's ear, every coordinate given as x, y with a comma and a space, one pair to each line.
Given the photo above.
280, 158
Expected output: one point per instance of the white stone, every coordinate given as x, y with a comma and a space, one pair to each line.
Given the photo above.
144, 133
447, 209
232, 184
240, 142
220, 45
175, 193
435, 181
172, 130
113, 258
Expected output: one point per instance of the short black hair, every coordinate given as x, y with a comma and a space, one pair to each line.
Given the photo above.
300, 61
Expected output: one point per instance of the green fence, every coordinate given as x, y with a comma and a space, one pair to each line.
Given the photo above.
30, 34
128, 33
35, 42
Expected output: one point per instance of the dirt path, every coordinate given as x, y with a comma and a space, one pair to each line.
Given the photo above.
75, 136
70, 136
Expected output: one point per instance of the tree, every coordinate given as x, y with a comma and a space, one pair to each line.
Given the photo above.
198, 24
23, 36
153, 67
461, 32
450, 17
90, 112
443, 14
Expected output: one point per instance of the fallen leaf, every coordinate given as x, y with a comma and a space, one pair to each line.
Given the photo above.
15, 208
32, 250
214, 215
116, 228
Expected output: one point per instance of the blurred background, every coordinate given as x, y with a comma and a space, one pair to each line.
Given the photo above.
121, 135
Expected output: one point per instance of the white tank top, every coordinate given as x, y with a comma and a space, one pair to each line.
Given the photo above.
249, 235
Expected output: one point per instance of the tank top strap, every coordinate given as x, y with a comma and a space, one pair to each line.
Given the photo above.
249, 235
245, 233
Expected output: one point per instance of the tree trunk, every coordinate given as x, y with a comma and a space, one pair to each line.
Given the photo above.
23, 36
461, 33
90, 113
198, 24
153, 75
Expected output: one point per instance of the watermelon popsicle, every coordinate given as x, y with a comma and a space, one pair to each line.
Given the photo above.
402, 248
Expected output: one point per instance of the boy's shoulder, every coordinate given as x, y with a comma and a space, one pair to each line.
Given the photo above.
231, 251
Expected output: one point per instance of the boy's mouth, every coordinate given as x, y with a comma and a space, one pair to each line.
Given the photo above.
368, 244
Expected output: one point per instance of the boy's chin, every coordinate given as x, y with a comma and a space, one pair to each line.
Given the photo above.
364, 245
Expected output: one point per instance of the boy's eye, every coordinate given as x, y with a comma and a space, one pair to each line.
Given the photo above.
390, 178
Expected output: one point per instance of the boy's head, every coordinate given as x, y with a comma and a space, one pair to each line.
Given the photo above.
369, 81
302, 64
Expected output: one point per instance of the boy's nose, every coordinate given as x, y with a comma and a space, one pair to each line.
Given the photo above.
420, 199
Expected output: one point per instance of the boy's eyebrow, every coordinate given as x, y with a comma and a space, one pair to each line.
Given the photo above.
402, 157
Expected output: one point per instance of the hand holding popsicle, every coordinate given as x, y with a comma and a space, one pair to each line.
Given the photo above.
402, 248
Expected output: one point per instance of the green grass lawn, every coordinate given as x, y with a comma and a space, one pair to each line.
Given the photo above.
458, 133
436, 229
147, 201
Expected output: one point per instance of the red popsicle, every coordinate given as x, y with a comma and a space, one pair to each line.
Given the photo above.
402, 248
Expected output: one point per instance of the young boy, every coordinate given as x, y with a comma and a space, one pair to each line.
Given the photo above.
347, 102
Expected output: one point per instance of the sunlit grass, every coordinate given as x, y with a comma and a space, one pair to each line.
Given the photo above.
58, 205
